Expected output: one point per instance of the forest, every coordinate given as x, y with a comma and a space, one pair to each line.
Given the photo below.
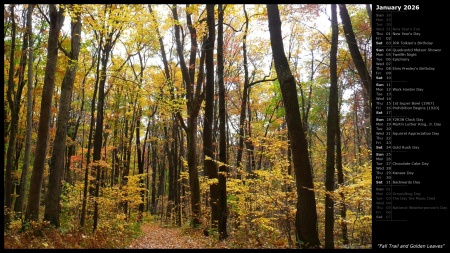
187, 126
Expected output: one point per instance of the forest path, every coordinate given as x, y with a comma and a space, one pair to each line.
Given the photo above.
158, 237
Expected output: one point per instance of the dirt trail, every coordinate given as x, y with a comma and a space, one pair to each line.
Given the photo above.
157, 237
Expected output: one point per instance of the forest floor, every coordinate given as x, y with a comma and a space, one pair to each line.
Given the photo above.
148, 235
157, 236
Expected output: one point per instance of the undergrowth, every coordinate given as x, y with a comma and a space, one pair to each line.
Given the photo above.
41, 235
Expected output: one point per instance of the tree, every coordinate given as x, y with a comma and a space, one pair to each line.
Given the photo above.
52, 207
210, 165
14, 101
331, 134
20, 201
12, 139
244, 94
91, 127
112, 34
168, 81
34, 197
340, 176
194, 100
360, 65
222, 189
306, 215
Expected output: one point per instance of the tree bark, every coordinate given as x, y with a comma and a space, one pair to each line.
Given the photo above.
154, 171
34, 197
52, 205
354, 51
110, 40
359, 64
222, 189
15, 116
331, 134
14, 99
193, 106
340, 176
140, 157
244, 96
168, 150
26, 162
209, 164
306, 216
88, 154
13, 127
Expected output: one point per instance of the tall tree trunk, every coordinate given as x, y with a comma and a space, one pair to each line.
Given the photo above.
175, 171
88, 154
169, 154
170, 151
14, 100
162, 183
248, 142
340, 172
193, 106
331, 134
153, 198
73, 134
110, 40
13, 126
359, 64
162, 178
140, 158
147, 179
306, 216
222, 189
244, 95
209, 164
127, 153
15, 116
34, 197
179, 192
12, 132
52, 207
26, 162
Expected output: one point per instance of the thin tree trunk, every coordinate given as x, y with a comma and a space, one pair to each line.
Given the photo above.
26, 163
209, 164
162, 178
331, 134
112, 36
359, 64
193, 106
180, 185
88, 154
15, 115
140, 157
248, 142
127, 151
175, 176
340, 174
244, 95
169, 154
222, 189
153, 198
13, 127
